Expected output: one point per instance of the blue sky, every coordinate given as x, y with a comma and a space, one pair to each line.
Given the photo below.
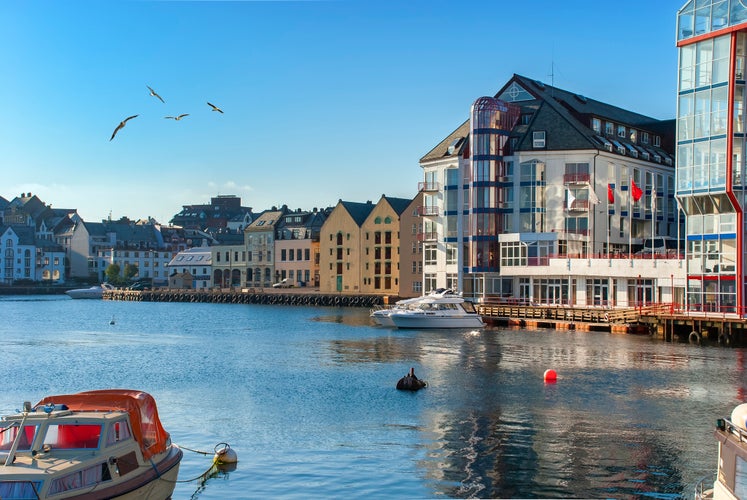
322, 100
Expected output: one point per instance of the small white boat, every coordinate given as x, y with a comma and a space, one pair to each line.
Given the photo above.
730, 482
91, 445
441, 309
94, 292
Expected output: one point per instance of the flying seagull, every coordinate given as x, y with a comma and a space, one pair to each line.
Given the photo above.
153, 93
122, 124
215, 108
177, 117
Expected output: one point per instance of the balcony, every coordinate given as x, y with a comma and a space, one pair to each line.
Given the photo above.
428, 210
430, 236
576, 178
578, 206
429, 187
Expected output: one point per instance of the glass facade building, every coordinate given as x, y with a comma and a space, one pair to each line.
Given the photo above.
710, 189
489, 183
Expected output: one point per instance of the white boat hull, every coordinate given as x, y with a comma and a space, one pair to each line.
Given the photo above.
416, 320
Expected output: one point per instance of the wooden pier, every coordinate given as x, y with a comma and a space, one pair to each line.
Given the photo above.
661, 320
299, 297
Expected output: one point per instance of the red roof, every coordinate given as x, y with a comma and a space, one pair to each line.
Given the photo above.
141, 406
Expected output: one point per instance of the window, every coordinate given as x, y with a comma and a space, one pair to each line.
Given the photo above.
621, 132
608, 128
644, 137
538, 139
657, 141
596, 125
430, 254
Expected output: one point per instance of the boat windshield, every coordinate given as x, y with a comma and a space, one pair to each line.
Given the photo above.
20, 490
73, 436
469, 307
8, 435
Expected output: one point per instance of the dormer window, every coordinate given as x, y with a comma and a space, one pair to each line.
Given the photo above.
596, 125
633, 135
609, 128
538, 139
644, 137
657, 141
621, 131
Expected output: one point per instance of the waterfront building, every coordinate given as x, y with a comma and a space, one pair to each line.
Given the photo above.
539, 194
297, 247
26, 258
380, 252
340, 244
193, 264
31, 250
259, 241
228, 257
368, 248
224, 211
411, 239
711, 131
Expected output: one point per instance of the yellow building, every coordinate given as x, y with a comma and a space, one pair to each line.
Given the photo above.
361, 248
340, 248
380, 253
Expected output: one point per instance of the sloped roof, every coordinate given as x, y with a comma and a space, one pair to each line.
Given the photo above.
399, 205
442, 148
358, 211
266, 220
566, 117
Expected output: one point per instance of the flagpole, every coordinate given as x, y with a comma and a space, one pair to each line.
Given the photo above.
630, 221
653, 218
608, 221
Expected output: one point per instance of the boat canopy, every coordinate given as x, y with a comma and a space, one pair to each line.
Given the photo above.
141, 406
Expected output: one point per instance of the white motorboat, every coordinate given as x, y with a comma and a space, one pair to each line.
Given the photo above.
92, 445
731, 481
94, 292
441, 309
380, 314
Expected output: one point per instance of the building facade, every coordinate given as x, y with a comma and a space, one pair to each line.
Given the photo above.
711, 131
539, 173
340, 244
259, 242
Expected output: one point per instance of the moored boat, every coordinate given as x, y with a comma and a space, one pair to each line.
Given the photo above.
91, 445
438, 310
731, 475
94, 292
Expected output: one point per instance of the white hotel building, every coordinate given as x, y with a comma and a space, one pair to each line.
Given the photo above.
531, 199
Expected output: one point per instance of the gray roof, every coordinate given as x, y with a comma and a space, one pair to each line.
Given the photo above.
358, 211
399, 205
566, 119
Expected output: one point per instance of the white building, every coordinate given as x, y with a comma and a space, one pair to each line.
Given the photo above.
196, 262
539, 180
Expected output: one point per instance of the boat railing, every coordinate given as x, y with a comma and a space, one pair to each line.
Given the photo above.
704, 487
726, 425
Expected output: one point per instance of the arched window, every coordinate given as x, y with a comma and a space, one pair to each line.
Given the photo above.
387, 220
339, 238
377, 220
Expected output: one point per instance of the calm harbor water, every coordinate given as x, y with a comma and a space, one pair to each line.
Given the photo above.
306, 397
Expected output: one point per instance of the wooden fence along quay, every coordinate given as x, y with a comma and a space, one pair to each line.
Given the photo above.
662, 320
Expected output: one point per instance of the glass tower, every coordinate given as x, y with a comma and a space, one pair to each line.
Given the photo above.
710, 189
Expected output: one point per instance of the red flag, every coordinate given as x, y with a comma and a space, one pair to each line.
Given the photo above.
610, 193
636, 191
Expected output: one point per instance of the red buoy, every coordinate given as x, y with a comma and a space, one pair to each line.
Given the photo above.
551, 376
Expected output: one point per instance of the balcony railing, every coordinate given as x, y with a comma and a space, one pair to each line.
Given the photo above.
427, 210
578, 206
430, 236
428, 186
576, 178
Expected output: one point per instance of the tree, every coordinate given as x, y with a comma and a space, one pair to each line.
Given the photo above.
112, 274
130, 271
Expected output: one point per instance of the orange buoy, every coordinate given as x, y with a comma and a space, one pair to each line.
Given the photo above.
551, 376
